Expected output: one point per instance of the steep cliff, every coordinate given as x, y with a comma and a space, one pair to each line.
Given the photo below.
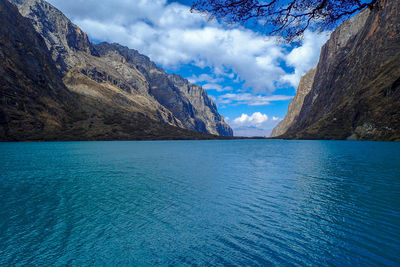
356, 89
119, 76
295, 105
33, 98
206, 117
63, 38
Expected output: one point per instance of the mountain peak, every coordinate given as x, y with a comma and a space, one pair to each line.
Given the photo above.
116, 85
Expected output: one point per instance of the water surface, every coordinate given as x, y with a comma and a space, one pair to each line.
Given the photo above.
240, 202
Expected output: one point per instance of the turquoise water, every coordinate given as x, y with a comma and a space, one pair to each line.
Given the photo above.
213, 203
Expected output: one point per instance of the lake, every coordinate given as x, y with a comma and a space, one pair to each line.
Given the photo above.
213, 203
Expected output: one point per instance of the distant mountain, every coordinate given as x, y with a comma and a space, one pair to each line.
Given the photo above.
251, 131
102, 91
355, 90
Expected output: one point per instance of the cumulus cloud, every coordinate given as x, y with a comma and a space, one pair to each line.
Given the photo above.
170, 35
304, 57
257, 124
254, 120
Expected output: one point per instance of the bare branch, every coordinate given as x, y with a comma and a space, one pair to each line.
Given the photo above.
286, 18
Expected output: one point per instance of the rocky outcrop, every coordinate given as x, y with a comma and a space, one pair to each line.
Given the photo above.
295, 105
63, 38
34, 102
189, 103
356, 89
133, 81
206, 117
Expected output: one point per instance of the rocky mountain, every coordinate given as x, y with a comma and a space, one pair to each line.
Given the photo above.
34, 100
115, 92
355, 93
189, 103
295, 105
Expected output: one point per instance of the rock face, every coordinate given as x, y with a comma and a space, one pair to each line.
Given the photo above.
295, 105
356, 89
120, 93
33, 98
189, 103
62, 37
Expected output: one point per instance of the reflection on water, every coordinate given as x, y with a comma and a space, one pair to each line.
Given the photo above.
247, 202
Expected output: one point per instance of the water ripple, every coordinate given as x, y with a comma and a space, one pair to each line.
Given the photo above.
218, 203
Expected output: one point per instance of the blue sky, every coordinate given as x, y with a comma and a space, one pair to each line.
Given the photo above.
251, 77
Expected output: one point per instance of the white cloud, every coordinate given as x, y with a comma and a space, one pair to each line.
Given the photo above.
254, 120
205, 78
217, 87
276, 119
257, 124
250, 99
170, 35
305, 57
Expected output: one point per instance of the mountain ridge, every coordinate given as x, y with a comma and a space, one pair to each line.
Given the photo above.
114, 92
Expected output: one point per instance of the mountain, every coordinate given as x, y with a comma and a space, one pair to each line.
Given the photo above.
295, 105
355, 92
104, 91
34, 100
189, 103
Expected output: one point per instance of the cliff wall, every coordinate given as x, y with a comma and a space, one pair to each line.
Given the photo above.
356, 89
